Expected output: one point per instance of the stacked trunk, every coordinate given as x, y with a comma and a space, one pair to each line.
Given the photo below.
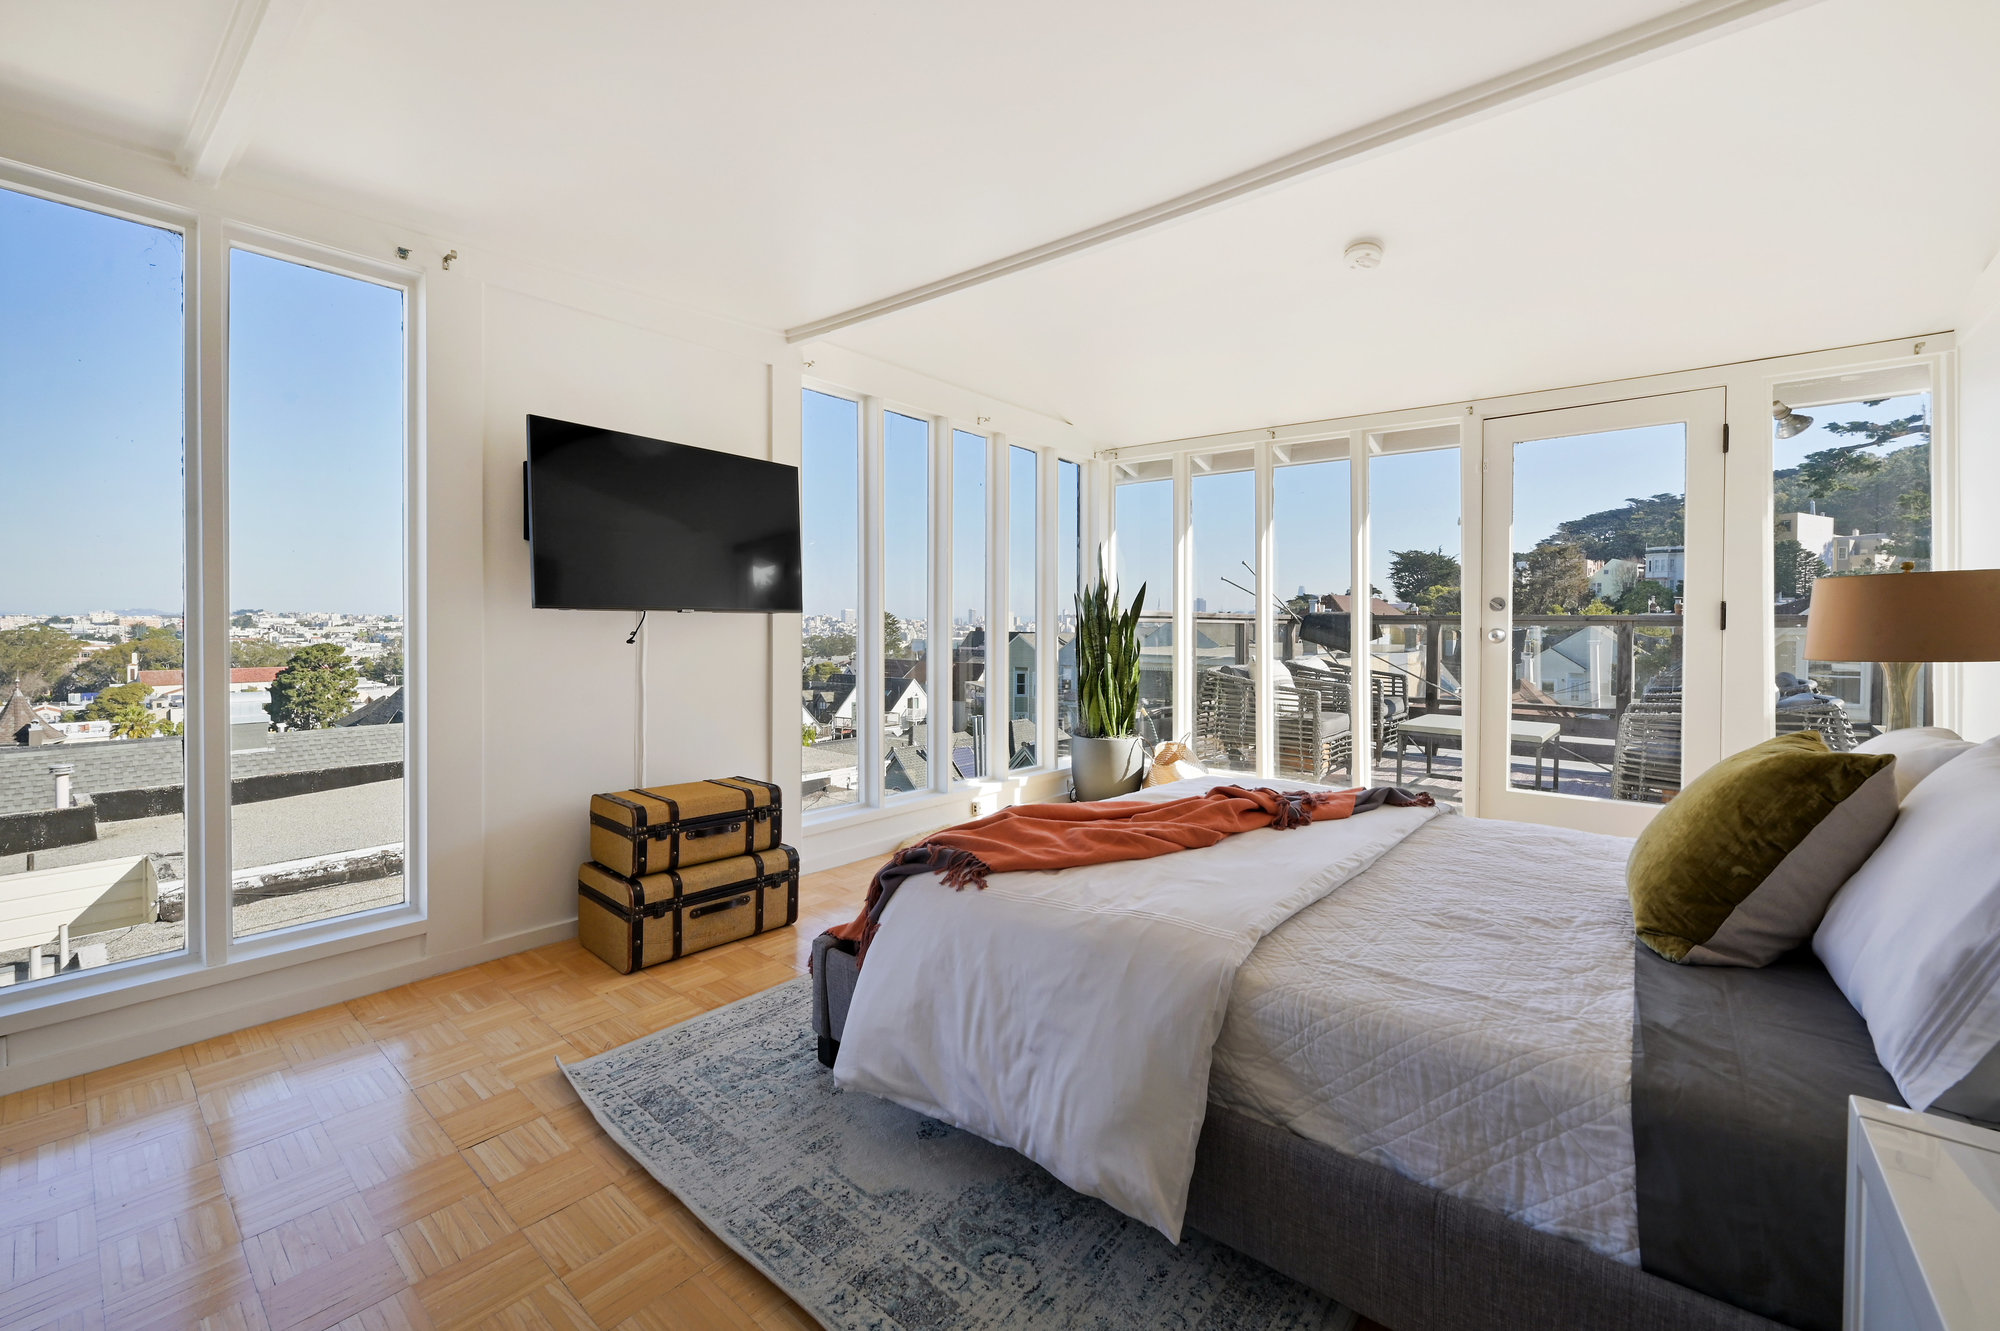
676, 869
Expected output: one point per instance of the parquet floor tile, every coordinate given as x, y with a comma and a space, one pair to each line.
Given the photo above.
413, 1160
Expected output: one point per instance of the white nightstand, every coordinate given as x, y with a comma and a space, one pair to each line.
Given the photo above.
1923, 1222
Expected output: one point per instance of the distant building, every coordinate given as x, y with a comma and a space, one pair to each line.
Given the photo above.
1812, 530
1859, 552
1612, 578
1667, 564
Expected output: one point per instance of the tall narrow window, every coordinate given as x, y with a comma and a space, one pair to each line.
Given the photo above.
1144, 514
906, 591
971, 656
1312, 517
1223, 518
93, 863
1414, 581
1069, 556
317, 703
1852, 498
1024, 591
830, 516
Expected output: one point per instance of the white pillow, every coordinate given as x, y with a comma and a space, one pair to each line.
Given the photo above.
1919, 750
1913, 938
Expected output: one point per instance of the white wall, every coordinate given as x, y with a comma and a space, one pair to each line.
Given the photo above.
1978, 497
521, 714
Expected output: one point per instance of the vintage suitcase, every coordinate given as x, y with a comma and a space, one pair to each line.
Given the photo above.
640, 832
637, 922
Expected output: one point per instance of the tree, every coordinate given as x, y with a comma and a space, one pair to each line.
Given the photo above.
808, 735
110, 702
386, 668
1411, 572
1831, 470
242, 621
1550, 578
826, 646
315, 689
35, 657
1440, 600
1624, 533
1793, 568
132, 722
1646, 597
1879, 434
894, 636
253, 652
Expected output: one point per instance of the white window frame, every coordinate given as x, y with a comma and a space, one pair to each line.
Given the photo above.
211, 955
872, 799
1747, 711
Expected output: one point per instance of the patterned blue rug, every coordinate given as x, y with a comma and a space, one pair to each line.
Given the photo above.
875, 1218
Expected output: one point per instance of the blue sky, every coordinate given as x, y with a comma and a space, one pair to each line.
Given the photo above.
90, 411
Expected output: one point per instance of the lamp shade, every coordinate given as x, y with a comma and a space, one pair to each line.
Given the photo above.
1951, 616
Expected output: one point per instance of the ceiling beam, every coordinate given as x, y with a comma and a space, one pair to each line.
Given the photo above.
1677, 28
244, 65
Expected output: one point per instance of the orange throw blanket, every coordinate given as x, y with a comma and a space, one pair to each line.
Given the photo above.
1063, 836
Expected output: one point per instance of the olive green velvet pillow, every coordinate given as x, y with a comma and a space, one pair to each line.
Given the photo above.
1739, 868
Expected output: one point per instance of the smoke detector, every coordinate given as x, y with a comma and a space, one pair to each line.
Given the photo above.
1363, 254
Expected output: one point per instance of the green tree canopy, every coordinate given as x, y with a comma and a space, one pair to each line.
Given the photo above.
1646, 597
1625, 532
1411, 572
895, 637
110, 702
829, 645
1551, 579
133, 721
246, 653
315, 689
34, 658
386, 668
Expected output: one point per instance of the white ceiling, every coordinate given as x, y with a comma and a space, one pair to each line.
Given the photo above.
1819, 178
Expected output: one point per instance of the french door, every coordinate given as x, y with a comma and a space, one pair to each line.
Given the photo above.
1600, 610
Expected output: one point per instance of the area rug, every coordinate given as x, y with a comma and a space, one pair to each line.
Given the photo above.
876, 1218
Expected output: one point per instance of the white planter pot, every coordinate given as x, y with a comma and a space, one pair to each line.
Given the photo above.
1102, 768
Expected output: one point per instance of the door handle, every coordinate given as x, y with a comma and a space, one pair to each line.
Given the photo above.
1496, 635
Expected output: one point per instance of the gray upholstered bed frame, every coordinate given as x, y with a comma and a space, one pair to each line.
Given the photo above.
1403, 1254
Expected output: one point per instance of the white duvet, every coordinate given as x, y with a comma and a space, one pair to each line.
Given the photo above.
1461, 1012
1073, 1015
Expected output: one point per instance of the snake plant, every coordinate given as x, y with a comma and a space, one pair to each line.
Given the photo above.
1107, 658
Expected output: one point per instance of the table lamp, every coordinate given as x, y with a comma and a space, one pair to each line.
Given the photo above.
1903, 620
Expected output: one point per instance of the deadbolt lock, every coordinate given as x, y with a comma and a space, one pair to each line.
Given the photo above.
1497, 603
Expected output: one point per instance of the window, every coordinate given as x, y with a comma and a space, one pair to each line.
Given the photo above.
1144, 514
1223, 528
906, 592
1024, 592
317, 703
830, 545
1069, 558
110, 666
1851, 492
1312, 575
1414, 552
969, 656
93, 846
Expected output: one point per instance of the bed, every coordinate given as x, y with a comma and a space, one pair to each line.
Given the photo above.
1451, 1085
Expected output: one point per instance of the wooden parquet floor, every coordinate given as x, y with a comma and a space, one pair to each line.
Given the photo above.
412, 1159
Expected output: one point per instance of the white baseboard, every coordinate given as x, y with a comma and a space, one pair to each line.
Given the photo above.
218, 1009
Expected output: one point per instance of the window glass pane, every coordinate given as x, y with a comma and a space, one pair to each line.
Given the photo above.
968, 605
1852, 492
1024, 592
1312, 516
93, 865
1598, 579
1413, 561
1223, 501
1144, 526
316, 695
830, 542
1069, 562
906, 592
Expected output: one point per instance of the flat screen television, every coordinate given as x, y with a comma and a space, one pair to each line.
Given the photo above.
622, 522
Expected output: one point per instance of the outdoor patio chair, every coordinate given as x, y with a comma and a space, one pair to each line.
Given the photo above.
1646, 761
1825, 714
1310, 738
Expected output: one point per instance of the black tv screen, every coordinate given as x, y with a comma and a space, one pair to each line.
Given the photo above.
622, 522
